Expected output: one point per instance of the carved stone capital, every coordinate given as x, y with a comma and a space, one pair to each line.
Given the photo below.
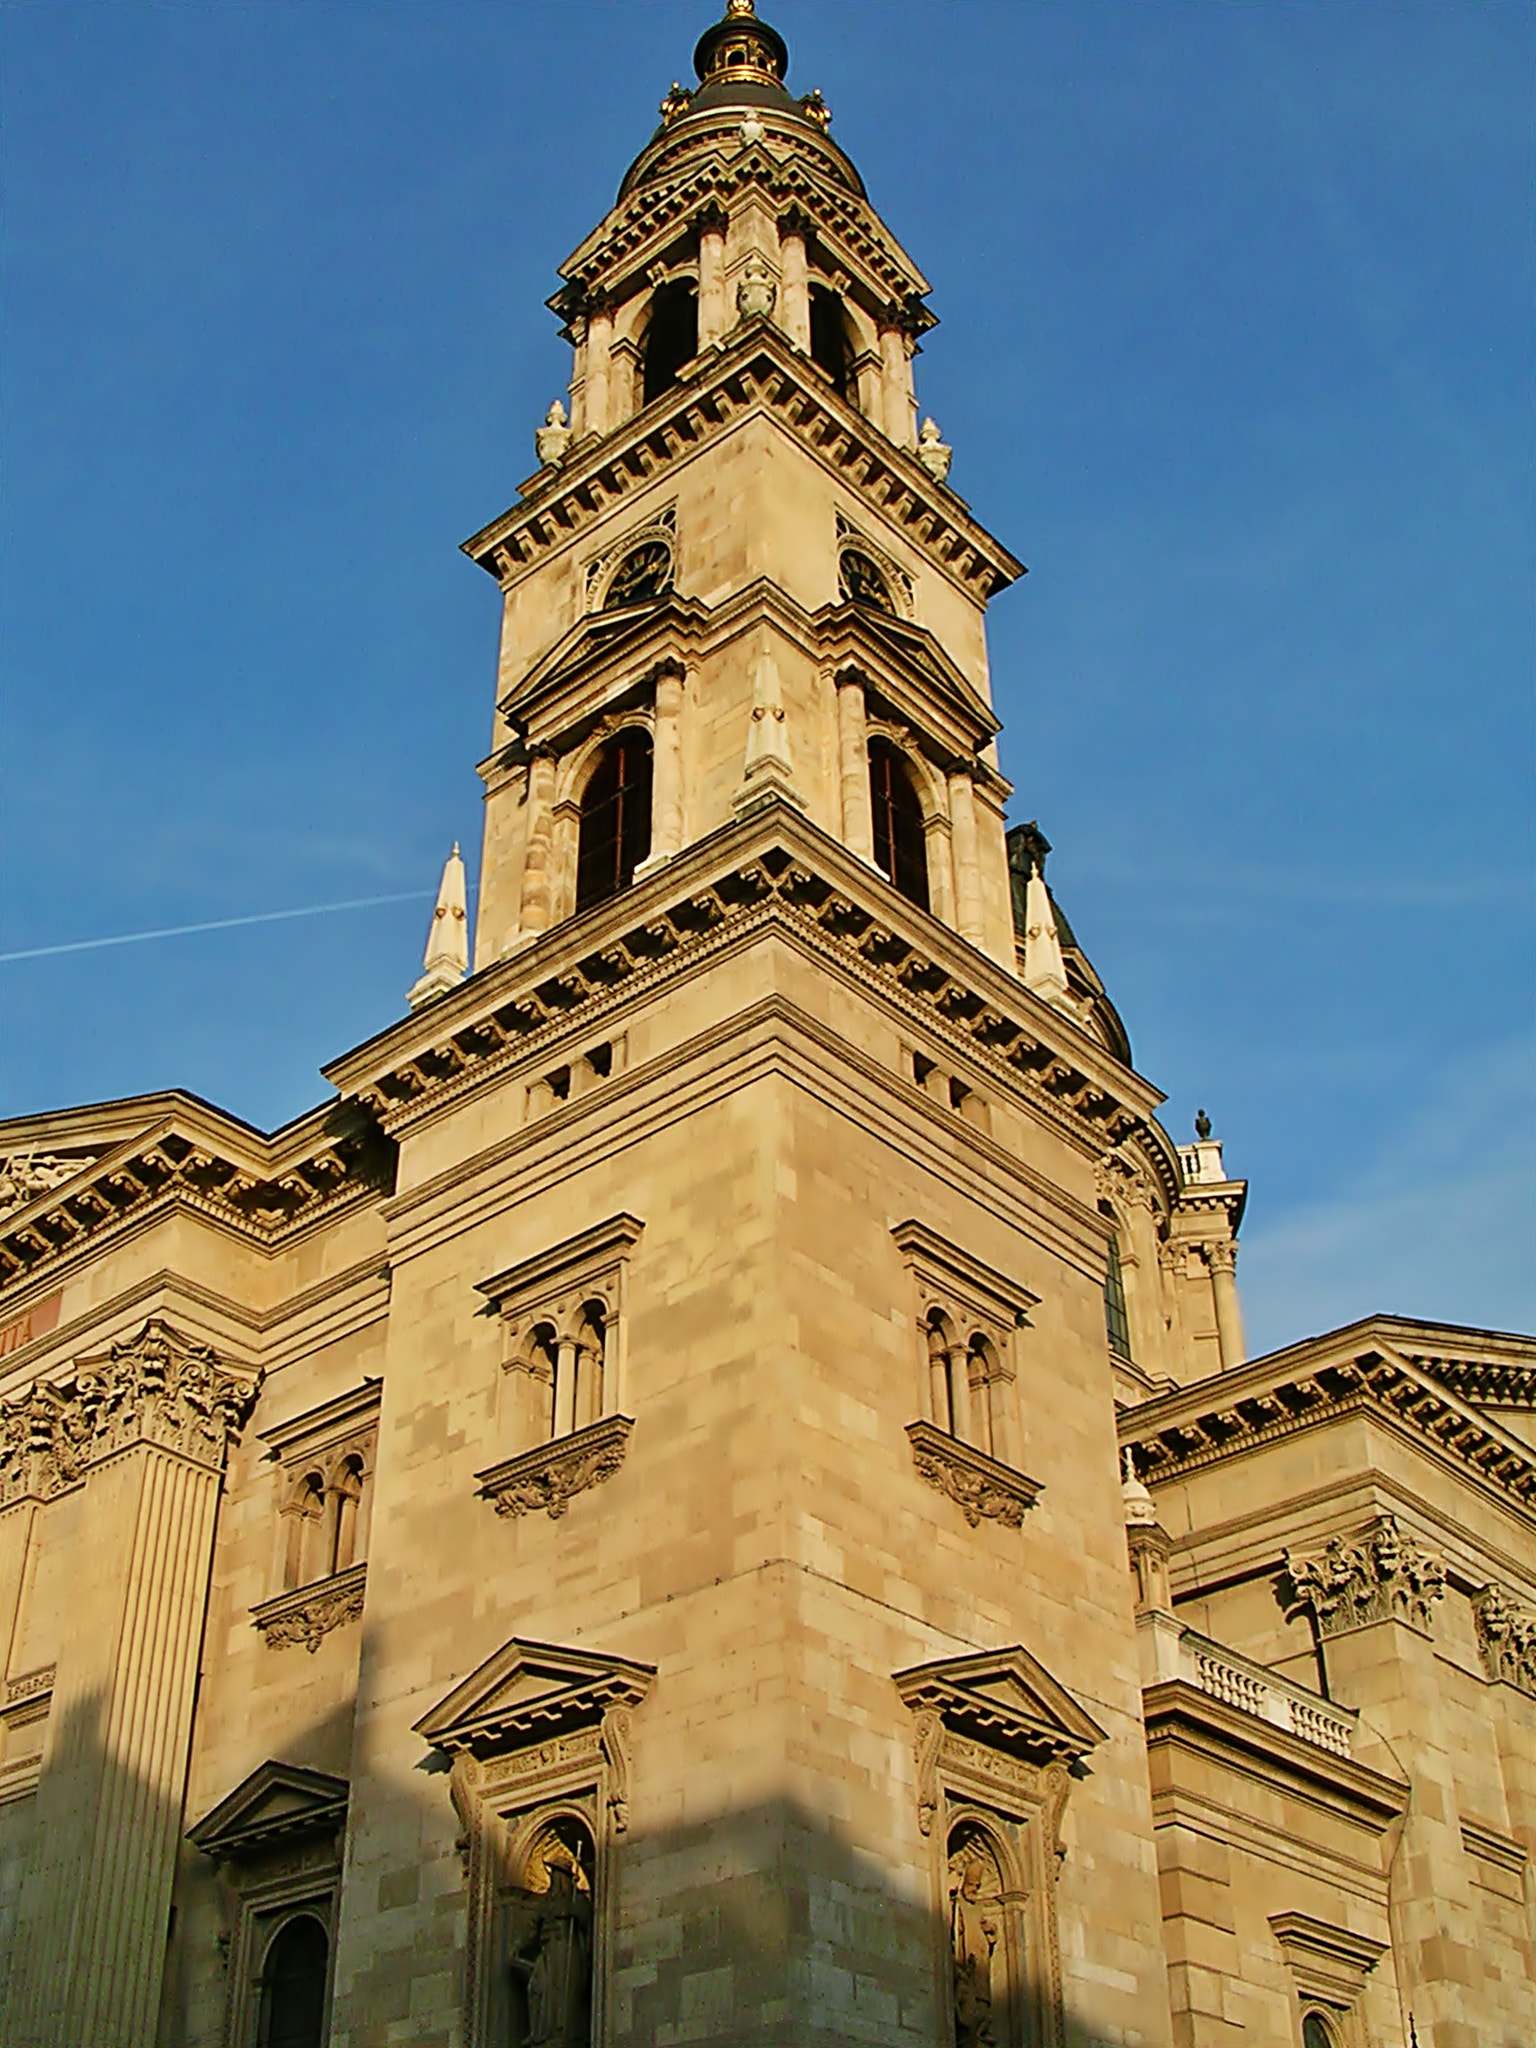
309, 1613
983, 1489
552, 1474
158, 1387
1384, 1576
1506, 1638
1221, 1256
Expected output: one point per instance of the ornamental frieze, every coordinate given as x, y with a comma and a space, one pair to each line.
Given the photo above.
1506, 1638
549, 1477
983, 1489
157, 1387
1383, 1576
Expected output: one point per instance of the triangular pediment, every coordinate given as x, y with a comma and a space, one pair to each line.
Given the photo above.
277, 1802
529, 1691
1005, 1698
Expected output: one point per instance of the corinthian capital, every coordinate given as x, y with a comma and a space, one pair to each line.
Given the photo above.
1221, 1257
1383, 1577
1506, 1638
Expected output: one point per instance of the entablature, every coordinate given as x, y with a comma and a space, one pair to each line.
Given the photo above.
773, 867
762, 372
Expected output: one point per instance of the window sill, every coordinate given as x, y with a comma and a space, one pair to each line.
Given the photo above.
551, 1475
982, 1487
307, 1614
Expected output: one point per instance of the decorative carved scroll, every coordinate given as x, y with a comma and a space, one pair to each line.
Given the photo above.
551, 1475
984, 1489
1506, 1638
158, 1387
309, 1613
1384, 1576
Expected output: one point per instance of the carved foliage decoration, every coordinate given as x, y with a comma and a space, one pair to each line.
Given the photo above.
549, 1477
996, 1741
1506, 1638
540, 1739
981, 1487
307, 1615
157, 1387
1383, 1576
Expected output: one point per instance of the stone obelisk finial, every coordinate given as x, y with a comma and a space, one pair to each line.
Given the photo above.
447, 956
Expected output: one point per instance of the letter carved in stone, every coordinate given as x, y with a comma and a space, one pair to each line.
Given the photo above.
1506, 1638
1384, 1576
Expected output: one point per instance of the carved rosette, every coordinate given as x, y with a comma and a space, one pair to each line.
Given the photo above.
983, 1489
1384, 1576
1506, 1638
158, 1387
550, 1476
307, 1615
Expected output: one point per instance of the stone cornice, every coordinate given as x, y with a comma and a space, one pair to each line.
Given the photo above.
277, 1803
1309, 1385
759, 371
548, 1478
773, 869
1005, 1699
157, 1388
305, 1616
1180, 1714
267, 1190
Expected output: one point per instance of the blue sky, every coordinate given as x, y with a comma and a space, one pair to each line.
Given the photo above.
1235, 352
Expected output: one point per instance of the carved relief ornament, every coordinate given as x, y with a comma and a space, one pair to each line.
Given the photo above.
549, 1477
157, 1387
1383, 1576
1506, 1638
981, 1487
307, 1615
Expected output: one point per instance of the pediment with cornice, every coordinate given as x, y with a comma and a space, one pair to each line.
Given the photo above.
277, 1803
1359, 1369
1005, 1699
155, 1151
530, 1692
761, 371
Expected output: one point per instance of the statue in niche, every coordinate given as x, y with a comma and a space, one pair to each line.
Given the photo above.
976, 1925
549, 1944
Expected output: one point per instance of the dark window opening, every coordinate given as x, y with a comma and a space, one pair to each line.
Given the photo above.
615, 819
1315, 2032
829, 337
901, 844
1117, 1324
293, 1986
672, 338
860, 581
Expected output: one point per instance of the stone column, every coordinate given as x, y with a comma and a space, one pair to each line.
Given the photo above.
1222, 1260
853, 766
962, 820
666, 769
565, 1387
539, 832
869, 383
150, 1426
794, 282
896, 376
599, 346
714, 309
960, 1402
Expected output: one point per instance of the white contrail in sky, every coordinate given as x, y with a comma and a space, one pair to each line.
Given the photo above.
217, 924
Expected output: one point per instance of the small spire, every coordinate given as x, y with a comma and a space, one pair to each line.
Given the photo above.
769, 768
446, 961
1140, 1508
1044, 969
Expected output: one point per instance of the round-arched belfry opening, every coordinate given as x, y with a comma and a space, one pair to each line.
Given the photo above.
615, 818
901, 852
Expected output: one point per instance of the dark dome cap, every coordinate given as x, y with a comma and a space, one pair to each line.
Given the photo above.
741, 47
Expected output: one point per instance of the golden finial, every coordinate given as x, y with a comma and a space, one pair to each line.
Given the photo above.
735, 9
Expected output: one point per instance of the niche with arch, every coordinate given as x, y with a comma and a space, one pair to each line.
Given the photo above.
543, 1931
614, 834
900, 831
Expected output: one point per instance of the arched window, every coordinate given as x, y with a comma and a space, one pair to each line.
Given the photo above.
293, 1986
1316, 2032
306, 1513
1117, 1324
671, 338
901, 850
346, 1499
829, 337
615, 818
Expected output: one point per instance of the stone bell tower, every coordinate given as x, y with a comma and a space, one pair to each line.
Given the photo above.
748, 1652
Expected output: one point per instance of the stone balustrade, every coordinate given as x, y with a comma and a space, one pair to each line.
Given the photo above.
1254, 1690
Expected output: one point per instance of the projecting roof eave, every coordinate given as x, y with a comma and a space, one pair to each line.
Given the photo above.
758, 369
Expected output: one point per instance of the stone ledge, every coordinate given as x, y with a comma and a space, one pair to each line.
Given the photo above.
552, 1474
983, 1488
309, 1613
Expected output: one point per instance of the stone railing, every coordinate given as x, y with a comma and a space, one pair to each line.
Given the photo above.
1253, 1690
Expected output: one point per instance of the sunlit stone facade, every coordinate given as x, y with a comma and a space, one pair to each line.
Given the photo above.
712, 1491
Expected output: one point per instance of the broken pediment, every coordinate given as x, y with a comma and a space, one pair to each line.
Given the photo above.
1005, 1699
276, 1803
528, 1692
